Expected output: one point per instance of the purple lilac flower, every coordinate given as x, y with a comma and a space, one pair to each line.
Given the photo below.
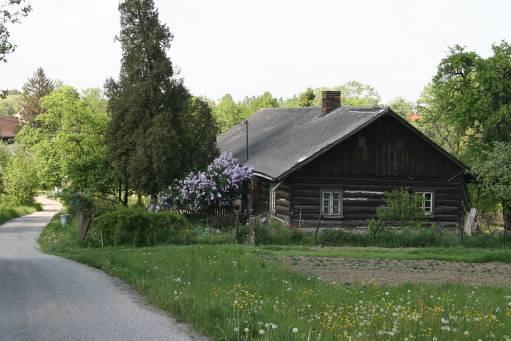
218, 186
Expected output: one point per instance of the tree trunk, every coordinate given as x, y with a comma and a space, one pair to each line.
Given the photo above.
126, 196
120, 192
506, 214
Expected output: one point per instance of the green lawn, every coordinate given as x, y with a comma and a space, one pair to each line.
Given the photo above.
8, 213
456, 254
234, 292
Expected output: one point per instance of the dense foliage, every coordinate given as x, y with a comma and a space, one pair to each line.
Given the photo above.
158, 132
401, 208
37, 87
138, 227
412, 237
67, 141
11, 104
467, 109
216, 187
20, 180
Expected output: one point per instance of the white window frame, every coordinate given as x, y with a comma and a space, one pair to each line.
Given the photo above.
330, 193
273, 198
422, 193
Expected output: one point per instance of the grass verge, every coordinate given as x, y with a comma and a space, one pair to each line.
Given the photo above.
231, 292
8, 213
453, 254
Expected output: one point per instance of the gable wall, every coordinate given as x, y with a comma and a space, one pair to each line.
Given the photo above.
392, 157
385, 148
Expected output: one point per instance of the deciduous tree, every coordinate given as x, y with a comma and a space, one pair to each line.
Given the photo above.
11, 12
470, 99
402, 106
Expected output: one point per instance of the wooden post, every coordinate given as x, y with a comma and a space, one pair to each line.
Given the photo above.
251, 234
470, 223
317, 228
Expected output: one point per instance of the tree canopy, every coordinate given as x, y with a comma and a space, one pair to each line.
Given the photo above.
402, 106
36, 87
68, 141
467, 108
155, 124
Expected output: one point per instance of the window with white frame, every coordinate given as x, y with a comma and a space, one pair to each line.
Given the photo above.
427, 202
331, 202
273, 198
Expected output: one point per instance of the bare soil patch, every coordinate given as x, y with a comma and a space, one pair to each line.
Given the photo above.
396, 272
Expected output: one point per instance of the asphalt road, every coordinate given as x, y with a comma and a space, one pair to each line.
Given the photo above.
44, 297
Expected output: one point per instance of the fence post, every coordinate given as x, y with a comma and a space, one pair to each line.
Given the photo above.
237, 225
251, 234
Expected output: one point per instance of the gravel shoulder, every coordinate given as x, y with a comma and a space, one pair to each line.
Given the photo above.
395, 272
45, 297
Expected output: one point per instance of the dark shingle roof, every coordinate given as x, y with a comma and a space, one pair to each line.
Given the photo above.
281, 139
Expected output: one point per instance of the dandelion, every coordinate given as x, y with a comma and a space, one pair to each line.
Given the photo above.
246, 330
435, 338
236, 329
261, 331
273, 326
295, 330
466, 333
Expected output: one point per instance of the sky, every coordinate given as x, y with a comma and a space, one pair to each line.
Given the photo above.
246, 47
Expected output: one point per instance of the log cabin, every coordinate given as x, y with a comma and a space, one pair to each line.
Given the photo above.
329, 166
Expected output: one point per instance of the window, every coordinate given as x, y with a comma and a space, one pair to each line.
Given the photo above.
272, 198
427, 202
331, 202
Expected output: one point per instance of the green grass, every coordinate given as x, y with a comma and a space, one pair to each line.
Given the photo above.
8, 213
455, 254
223, 289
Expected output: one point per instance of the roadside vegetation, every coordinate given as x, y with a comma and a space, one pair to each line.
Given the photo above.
8, 213
236, 292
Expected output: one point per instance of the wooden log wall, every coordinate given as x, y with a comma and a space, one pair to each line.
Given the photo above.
261, 195
283, 201
361, 197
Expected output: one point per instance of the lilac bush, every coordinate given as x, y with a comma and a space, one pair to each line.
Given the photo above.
216, 187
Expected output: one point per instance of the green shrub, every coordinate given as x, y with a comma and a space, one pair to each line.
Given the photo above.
401, 207
138, 227
331, 237
205, 235
20, 180
411, 237
276, 233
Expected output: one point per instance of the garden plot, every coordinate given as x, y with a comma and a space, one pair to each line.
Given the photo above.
395, 272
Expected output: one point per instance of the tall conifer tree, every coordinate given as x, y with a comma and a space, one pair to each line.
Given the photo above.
149, 105
36, 87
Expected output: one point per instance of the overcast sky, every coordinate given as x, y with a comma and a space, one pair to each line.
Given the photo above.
246, 47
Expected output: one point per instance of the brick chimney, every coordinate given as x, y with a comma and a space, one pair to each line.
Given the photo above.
331, 100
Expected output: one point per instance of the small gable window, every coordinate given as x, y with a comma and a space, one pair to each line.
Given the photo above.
331, 202
427, 202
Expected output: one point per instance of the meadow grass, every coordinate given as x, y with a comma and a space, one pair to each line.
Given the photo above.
232, 292
454, 254
8, 213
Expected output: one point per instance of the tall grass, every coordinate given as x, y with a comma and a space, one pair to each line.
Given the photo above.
8, 213
229, 293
